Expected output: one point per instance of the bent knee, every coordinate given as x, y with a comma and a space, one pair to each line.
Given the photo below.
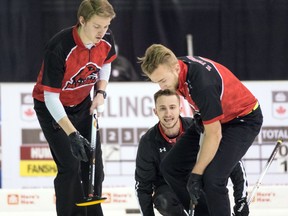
167, 203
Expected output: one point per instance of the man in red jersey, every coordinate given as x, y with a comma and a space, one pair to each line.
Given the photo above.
231, 116
76, 59
151, 188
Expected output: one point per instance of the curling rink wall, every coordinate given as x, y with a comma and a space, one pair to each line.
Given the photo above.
28, 169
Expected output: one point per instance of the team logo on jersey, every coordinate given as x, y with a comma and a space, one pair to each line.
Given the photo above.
162, 149
87, 75
280, 104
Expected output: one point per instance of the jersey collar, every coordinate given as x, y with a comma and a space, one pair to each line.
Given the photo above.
171, 141
182, 77
76, 37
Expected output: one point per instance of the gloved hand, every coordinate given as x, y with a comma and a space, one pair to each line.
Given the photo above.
241, 208
194, 187
78, 144
198, 123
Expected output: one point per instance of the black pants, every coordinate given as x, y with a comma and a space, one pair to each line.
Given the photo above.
71, 172
237, 136
168, 204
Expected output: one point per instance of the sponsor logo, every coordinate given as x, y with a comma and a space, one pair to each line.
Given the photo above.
35, 152
27, 111
22, 199
12, 199
117, 197
264, 197
38, 168
108, 197
280, 104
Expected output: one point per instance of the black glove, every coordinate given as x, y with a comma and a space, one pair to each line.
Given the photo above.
241, 208
78, 145
198, 123
194, 187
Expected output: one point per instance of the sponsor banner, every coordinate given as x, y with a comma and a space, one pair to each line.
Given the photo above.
38, 168
118, 197
27, 200
123, 199
268, 197
35, 152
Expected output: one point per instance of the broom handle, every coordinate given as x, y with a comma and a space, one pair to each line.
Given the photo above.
270, 160
94, 129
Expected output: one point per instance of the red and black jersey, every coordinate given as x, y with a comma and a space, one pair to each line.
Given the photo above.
153, 147
71, 69
213, 90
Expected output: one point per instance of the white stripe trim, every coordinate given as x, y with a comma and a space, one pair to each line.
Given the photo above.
136, 193
70, 52
245, 184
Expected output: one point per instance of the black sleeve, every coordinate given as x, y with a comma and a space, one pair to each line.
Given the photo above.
145, 174
56, 51
53, 71
206, 91
110, 39
239, 180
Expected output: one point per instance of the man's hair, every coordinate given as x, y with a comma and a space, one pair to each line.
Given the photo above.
101, 8
165, 92
155, 55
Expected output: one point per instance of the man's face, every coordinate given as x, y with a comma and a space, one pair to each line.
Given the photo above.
167, 109
166, 77
94, 29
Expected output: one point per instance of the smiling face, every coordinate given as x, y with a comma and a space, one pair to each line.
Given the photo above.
166, 76
93, 30
167, 109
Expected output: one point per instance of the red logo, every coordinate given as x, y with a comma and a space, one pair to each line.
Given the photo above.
281, 110
13, 199
280, 104
29, 112
86, 75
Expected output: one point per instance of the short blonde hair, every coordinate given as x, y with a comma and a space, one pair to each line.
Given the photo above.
101, 8
155, 55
